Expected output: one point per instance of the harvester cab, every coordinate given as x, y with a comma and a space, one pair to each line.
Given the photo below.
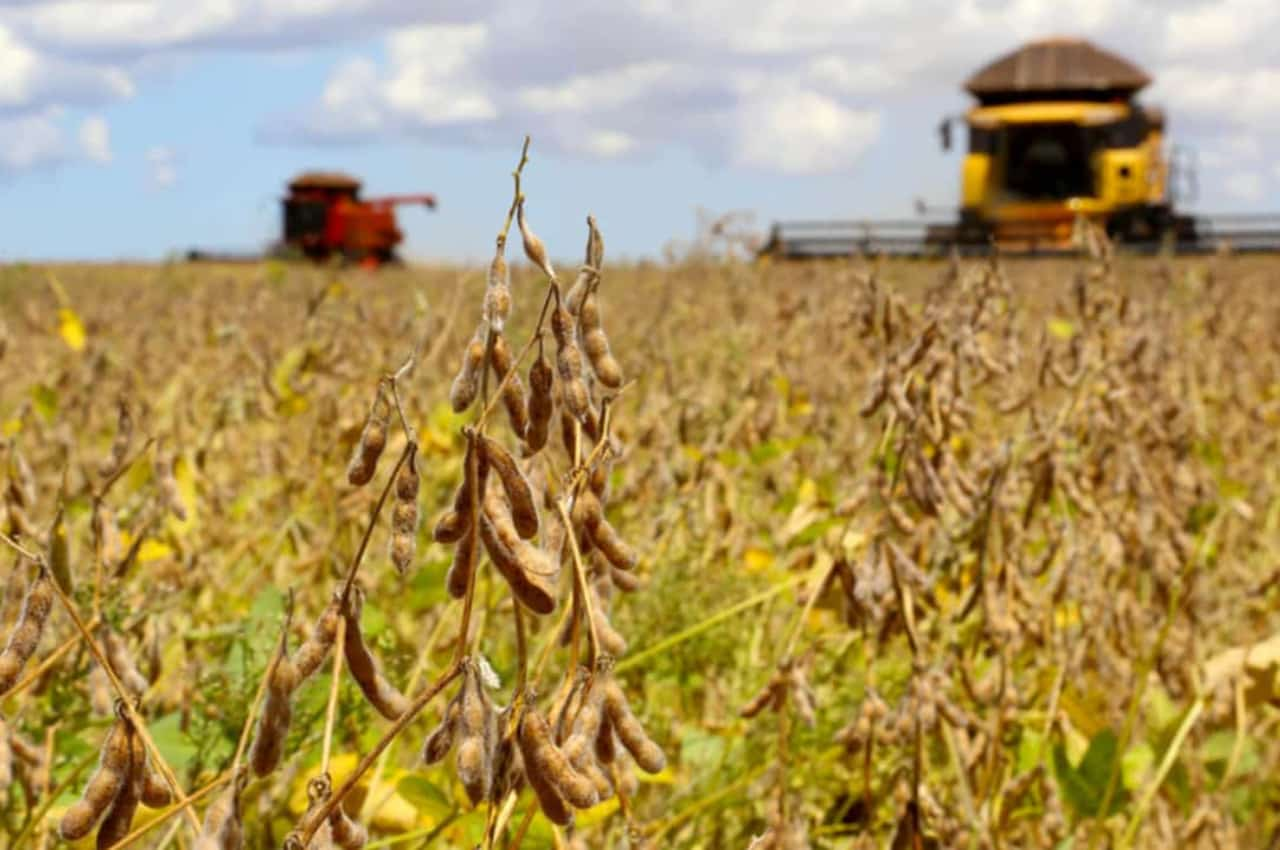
1056, 136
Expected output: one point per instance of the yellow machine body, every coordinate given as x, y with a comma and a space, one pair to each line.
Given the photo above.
1034, 167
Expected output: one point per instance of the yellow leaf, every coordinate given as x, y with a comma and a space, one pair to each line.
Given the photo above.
12, 427
807, 494
1061, 328
395, 814
757, 559
153, 550
71, 329
185, 477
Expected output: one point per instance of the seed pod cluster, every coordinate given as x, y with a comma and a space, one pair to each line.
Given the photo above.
381, 694
471, 722
114, 769
28, 630
580, 745
290, 672
123, 780
466, 384
557, 784
404, 514
373, 439
502, 361
170, 496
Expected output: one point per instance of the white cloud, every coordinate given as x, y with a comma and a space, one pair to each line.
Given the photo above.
95, 139
32, 79
31, 141
801, 132
161, 166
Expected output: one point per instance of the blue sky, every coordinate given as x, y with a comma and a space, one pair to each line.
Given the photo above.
135, 128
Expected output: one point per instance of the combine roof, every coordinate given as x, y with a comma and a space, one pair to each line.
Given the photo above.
1061, 67
324, 180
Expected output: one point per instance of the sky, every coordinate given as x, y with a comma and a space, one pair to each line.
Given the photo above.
140, 128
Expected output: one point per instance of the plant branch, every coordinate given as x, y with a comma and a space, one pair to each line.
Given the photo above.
312, 820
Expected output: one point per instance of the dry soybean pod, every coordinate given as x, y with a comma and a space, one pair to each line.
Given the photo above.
162, 467
647, 754
464, 562
440, 741
569, 364
120, 444
277, 709
119, 817
477, 734
497, 293
542, 757
222, 828
26, 633
607, 539
524, 512
466, 384
523, 565
541, 379
373, 439
596, 343
534, 249
346, 832
454, 525
104, 785
381, 694
313, 651
500, 358
404, 514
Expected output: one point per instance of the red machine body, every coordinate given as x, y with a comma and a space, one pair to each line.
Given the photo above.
324, 216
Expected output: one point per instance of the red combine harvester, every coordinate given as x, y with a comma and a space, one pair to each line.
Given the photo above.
324, 217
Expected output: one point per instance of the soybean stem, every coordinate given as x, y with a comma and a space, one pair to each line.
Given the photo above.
311, 822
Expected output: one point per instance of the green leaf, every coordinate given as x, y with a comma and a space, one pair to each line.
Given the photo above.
1085, 785
424, 796
45, 399
172, 742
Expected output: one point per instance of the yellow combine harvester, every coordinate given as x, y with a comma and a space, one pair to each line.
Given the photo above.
1057, 136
